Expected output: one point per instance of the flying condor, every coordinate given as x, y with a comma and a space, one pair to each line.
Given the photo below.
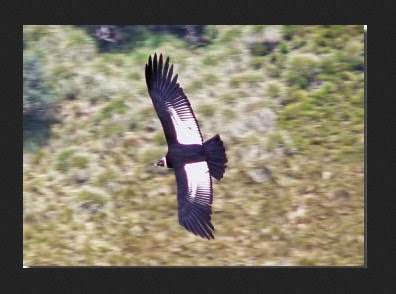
193, 160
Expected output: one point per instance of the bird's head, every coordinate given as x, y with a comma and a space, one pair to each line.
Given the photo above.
161, 162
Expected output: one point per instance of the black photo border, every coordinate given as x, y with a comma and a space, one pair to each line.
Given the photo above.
372, 277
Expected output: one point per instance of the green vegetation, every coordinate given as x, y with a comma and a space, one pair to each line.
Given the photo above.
210, 61
291, 118
249, 79
116, 106
274, 140
105, 177
67, 159
230, 35
36, 91
80, 162
207, 110
288, 32
63, 160
87, 196
302, 69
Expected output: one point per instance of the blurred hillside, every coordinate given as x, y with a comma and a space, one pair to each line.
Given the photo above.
288, 102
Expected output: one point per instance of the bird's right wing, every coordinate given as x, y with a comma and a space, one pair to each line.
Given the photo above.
171, 104
195, 196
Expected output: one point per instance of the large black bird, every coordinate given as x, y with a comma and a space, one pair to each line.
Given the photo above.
193, 160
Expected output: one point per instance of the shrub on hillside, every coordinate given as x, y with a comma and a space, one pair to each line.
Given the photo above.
302, 69
110, 37
37, 94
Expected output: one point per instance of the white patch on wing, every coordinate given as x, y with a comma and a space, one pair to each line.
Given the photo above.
198, 178
165, 163
186, 127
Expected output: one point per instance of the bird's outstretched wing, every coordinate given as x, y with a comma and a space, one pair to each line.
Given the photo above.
171, 104
195, 196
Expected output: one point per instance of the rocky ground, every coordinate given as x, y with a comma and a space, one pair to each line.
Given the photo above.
288, 102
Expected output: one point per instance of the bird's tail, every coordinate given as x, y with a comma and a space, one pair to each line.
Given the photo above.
217, 158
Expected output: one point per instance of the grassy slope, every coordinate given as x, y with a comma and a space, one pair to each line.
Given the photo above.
295, 116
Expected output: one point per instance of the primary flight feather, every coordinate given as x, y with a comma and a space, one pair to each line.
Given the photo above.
193, 160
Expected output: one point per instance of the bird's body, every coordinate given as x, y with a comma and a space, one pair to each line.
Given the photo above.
193, 160
180, 154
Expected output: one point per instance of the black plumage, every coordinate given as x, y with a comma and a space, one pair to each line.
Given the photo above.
193, 160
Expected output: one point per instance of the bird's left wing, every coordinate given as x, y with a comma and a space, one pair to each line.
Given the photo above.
195, 196
171, 104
